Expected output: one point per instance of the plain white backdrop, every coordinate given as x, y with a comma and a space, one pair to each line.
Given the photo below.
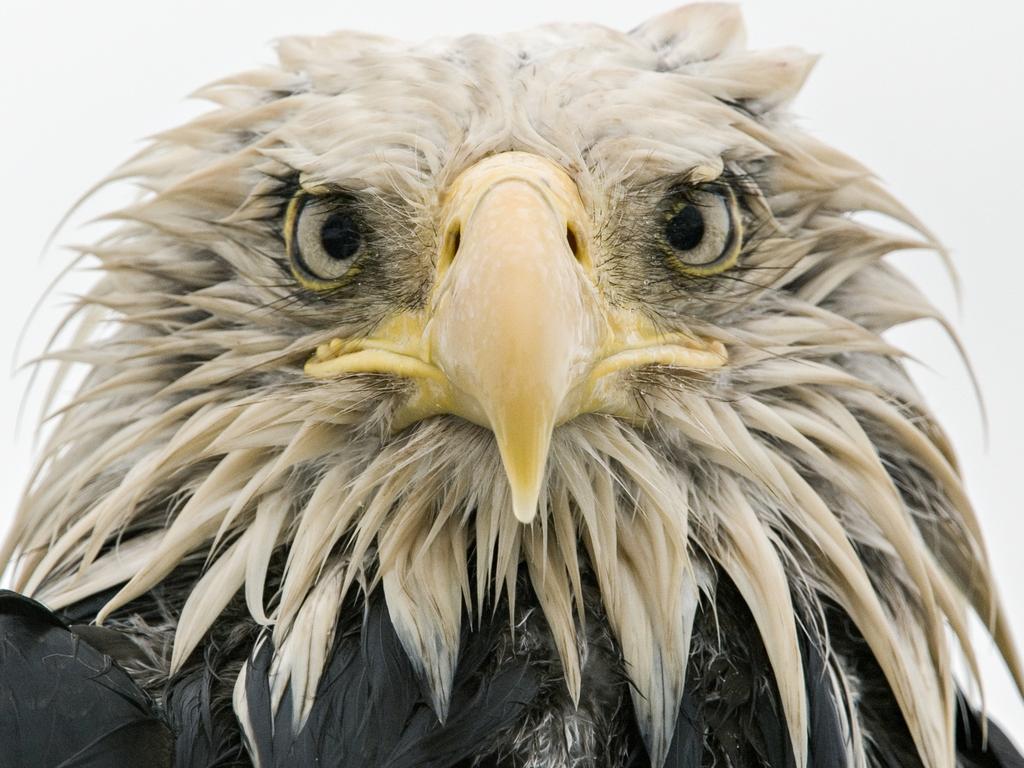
928, 94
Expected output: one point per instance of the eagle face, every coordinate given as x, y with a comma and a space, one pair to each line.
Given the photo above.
414, 319
520, 329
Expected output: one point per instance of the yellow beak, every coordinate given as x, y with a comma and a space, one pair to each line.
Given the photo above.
517, 317
516, 337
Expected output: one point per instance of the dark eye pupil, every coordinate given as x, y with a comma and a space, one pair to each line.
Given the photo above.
685, 230
340, 236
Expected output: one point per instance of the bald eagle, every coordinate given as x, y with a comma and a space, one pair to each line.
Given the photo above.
516, 401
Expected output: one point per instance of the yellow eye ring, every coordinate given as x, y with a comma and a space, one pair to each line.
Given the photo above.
323, 241
703, 233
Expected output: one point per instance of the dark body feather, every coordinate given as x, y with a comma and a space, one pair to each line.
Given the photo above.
510, 707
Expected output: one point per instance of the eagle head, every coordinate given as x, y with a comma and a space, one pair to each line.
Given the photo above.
557, 310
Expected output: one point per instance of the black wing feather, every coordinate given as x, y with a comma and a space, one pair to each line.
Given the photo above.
64, 704
973, 751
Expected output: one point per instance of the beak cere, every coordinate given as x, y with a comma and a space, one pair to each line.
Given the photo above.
517, 317
516, 336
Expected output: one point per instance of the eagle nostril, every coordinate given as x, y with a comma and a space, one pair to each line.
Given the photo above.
574, 244
452, 241
578, 246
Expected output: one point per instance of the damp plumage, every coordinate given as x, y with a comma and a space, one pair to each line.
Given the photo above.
506, 401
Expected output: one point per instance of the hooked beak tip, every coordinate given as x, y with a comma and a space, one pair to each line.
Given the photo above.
524, 453
524, 505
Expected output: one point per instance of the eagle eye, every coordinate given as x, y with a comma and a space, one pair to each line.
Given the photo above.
703, 231
324, 241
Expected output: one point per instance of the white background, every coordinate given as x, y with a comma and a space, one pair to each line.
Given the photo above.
928, 94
